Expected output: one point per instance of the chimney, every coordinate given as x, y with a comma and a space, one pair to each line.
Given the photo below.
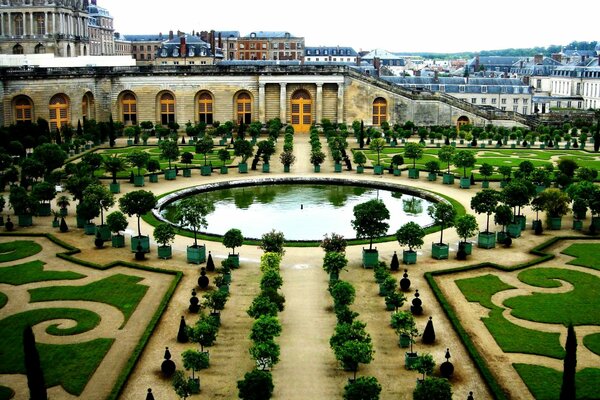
557, 57
521, 64
436, 76
220, 41
526, 80
538, 59
377, 65
170, 35
182, 46
476, 63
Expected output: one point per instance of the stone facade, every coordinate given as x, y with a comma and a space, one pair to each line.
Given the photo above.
337, 93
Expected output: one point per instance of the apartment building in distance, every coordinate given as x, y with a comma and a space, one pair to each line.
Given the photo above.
101, 31
263, 45
335, 54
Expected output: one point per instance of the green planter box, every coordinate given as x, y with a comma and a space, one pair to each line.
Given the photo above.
465, 183
206, 170
370, 258
80, 221
440, 251
138, 180
596, 223
187, 173
115, 188
360, 169
153, 178
89, 229
224, 170
118, 241
165, 252
337, 167
555, 223
522, 221
448, 179
129, 142
514, 230
513, 146
397, 172
170, 174
317, 168
410, 360
501, 237
234, 260
55, 223
243, 168
409, 257
378, 170
64, 212
24, 220
577, 225
44, 209
144, 241
222, 141
431, 176
286, 168
485, 184
194, 384
486, 240
104, 232
413, 173
266, 168
503, 184
196, 255
403, 340
468, 246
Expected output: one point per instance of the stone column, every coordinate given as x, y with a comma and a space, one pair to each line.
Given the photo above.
319, 104
60, 24
340, 103
262, 109
31, 26
9, 24
283, 102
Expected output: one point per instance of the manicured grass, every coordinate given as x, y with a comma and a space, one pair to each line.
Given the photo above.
33, 272
586, 254
6, 393
577, 306
3, 299
120, 291
592, 342
18, 249
68, 365
482, 288
544, 383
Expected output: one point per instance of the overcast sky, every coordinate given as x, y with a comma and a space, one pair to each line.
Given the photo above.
409, 25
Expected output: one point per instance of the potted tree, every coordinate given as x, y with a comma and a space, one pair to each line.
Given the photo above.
164, 234
117, 222
369, 222
425, 365
316, 159
446, 155
362, 388
486, 170
256, 384
138, 203
205, 146
405, 326
443, 214
44, 192
23, 204
186, 158
114, 164
138, 159
86, 212
130, 132
506, 172
287, 158
486, 201
63, 203
333, 263
397, 161
265, 354
377, 144
101, 199
556, 204
410, 234
336, 154
196, 361
215, 301
503, 216
359, 159
244, 149
233, 238
579, 209
266, 149
464, 159
413, 151
153, 167
191, 213
224, 156
517, 194
169, 150
433, 167
466, 226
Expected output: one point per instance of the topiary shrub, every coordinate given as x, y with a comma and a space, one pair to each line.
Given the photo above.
363, 388
429, 333
256, 385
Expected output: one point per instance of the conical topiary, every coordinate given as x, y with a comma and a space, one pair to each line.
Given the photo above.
33, 368
405, 282
429, 333
210, 264
139, 252
416, 307
182, 334
168, 366
446, 368
395, 264
149, 396
203, 280
470, 396
63, 225
194, 306
131, 177
9, 226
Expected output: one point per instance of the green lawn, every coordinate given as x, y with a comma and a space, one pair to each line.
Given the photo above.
33, 271
592, 342
544, 383
577, 306
482, 288
586, 254
18, 249
120, 291
68, 365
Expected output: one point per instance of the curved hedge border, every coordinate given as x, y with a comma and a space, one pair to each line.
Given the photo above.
137, 351
493, 385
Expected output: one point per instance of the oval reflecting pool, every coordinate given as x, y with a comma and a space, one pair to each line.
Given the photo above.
301, 211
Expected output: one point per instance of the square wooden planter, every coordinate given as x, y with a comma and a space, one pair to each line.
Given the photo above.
397, 172
409, 257
89, 229
378, 170
514, 230
465, 183
555, 223
266, 168
44, 209
360, 169
410, 360
115, 187
431, 176
337, 167
577, 225
440, 251
224, 170
170, 174
104, 232
206, 170
370, 258
118, 241
234, 260
165, 252
24, 220
143, 241
413, 173
485, 184
187, 173
448, 179
467, 246
153, 178
486, 240
243, 168
138, 180
317, 168
197, 254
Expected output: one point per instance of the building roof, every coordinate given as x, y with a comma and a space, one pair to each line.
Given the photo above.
227, 34
461, 85
381, 54
492, 61
194, 47
145, 38
271, 34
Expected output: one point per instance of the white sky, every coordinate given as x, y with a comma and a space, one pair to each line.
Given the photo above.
409, 25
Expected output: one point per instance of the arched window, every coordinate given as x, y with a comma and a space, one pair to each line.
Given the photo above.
167, 109
205, 108
40, 49
301, 111
23, 110
68, 50
87, 106
59, 112
379, 111
129, 109
17, 49
40, 24
244, 108
18, 23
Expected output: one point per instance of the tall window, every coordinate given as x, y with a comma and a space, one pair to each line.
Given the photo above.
379, 111
17, 49
23, 110
40, 49
87, 106
59, 111
18, 23
167, 108
129, 109
205, 108
244, 108
40, 24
